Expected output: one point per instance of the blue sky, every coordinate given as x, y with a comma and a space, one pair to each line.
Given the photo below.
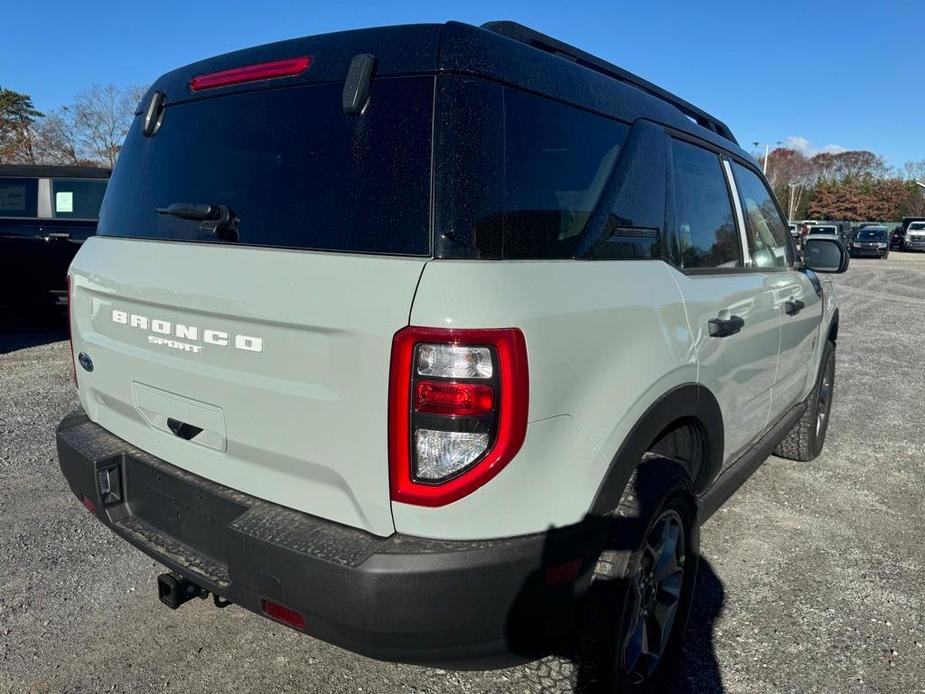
833, 74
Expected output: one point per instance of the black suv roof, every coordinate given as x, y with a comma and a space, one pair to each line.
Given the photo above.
503, 51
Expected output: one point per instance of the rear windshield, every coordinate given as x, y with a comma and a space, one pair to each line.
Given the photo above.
917, 226
823, 230
290, 165
76, 198
872, 234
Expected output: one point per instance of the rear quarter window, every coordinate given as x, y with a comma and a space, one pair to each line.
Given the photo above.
518, 174
557, 159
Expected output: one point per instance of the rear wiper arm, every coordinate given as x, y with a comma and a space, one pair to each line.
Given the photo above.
216, 219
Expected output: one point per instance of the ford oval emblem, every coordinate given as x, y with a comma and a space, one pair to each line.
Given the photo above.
85, 361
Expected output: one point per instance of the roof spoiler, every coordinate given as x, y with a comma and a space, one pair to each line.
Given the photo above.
523, 34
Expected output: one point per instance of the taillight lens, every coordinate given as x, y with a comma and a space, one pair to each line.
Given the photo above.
457, 410
70, 328
251, 73
452, 398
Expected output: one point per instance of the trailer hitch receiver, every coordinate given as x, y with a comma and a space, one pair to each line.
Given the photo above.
175, 590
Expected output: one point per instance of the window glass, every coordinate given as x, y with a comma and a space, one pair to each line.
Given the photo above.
292, 167
636, 222
765, 228
557, 159
77, 198
18, 197
706, 229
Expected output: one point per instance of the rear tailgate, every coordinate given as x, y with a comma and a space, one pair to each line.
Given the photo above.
255, 351
293, 409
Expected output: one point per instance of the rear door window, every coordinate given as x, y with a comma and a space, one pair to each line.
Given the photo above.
77, 198
706, 229
290, 165
765, 228
19, 197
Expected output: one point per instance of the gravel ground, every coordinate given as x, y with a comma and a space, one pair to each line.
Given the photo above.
813, 579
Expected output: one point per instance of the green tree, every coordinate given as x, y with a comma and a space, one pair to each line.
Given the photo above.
17, 115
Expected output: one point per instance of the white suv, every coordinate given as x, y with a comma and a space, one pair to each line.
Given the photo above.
430, 341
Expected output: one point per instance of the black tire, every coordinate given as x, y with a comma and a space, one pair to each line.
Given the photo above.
594, 660
659, 492
804, 442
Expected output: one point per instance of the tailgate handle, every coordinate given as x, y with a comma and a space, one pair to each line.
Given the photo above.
185, 431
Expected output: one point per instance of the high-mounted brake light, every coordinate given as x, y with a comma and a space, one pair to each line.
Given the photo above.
251, 73
457, 410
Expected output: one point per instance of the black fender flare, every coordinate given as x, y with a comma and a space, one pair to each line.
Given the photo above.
691, 402
832, 333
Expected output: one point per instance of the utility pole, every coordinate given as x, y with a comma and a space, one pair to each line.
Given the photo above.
767, 151
793, 192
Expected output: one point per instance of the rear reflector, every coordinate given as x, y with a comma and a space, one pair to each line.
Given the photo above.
251, 73
450, 398
283, 614
563, 573
88, 504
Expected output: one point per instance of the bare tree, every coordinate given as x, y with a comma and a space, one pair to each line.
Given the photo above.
913, 170
100, 119
790, 173
54, 141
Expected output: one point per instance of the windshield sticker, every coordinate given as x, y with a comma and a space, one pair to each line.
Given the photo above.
64, 201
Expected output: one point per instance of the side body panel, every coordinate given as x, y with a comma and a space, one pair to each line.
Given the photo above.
605, 339
799, 339
739, 369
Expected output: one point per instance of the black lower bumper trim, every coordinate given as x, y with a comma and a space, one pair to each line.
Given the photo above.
457, 604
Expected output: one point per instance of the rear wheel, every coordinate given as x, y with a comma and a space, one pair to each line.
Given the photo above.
630, 636
804, 442
651, 585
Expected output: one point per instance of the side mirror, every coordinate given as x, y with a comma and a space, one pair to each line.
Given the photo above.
824, 255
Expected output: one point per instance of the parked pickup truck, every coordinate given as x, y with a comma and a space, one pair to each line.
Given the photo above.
46, 213
438, 341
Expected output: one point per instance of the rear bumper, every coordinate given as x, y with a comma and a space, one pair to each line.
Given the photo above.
455, 604
867, 252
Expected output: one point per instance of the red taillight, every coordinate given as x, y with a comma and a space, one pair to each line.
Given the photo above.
451, 398
459, 397
88, 504
283, 614
70, 329
251, 73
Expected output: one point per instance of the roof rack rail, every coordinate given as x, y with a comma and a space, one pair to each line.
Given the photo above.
523, 34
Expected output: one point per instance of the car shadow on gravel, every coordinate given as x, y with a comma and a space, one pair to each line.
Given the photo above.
699, 668
18, 331
540, 612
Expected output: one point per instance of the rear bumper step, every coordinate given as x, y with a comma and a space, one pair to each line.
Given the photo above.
457, 604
